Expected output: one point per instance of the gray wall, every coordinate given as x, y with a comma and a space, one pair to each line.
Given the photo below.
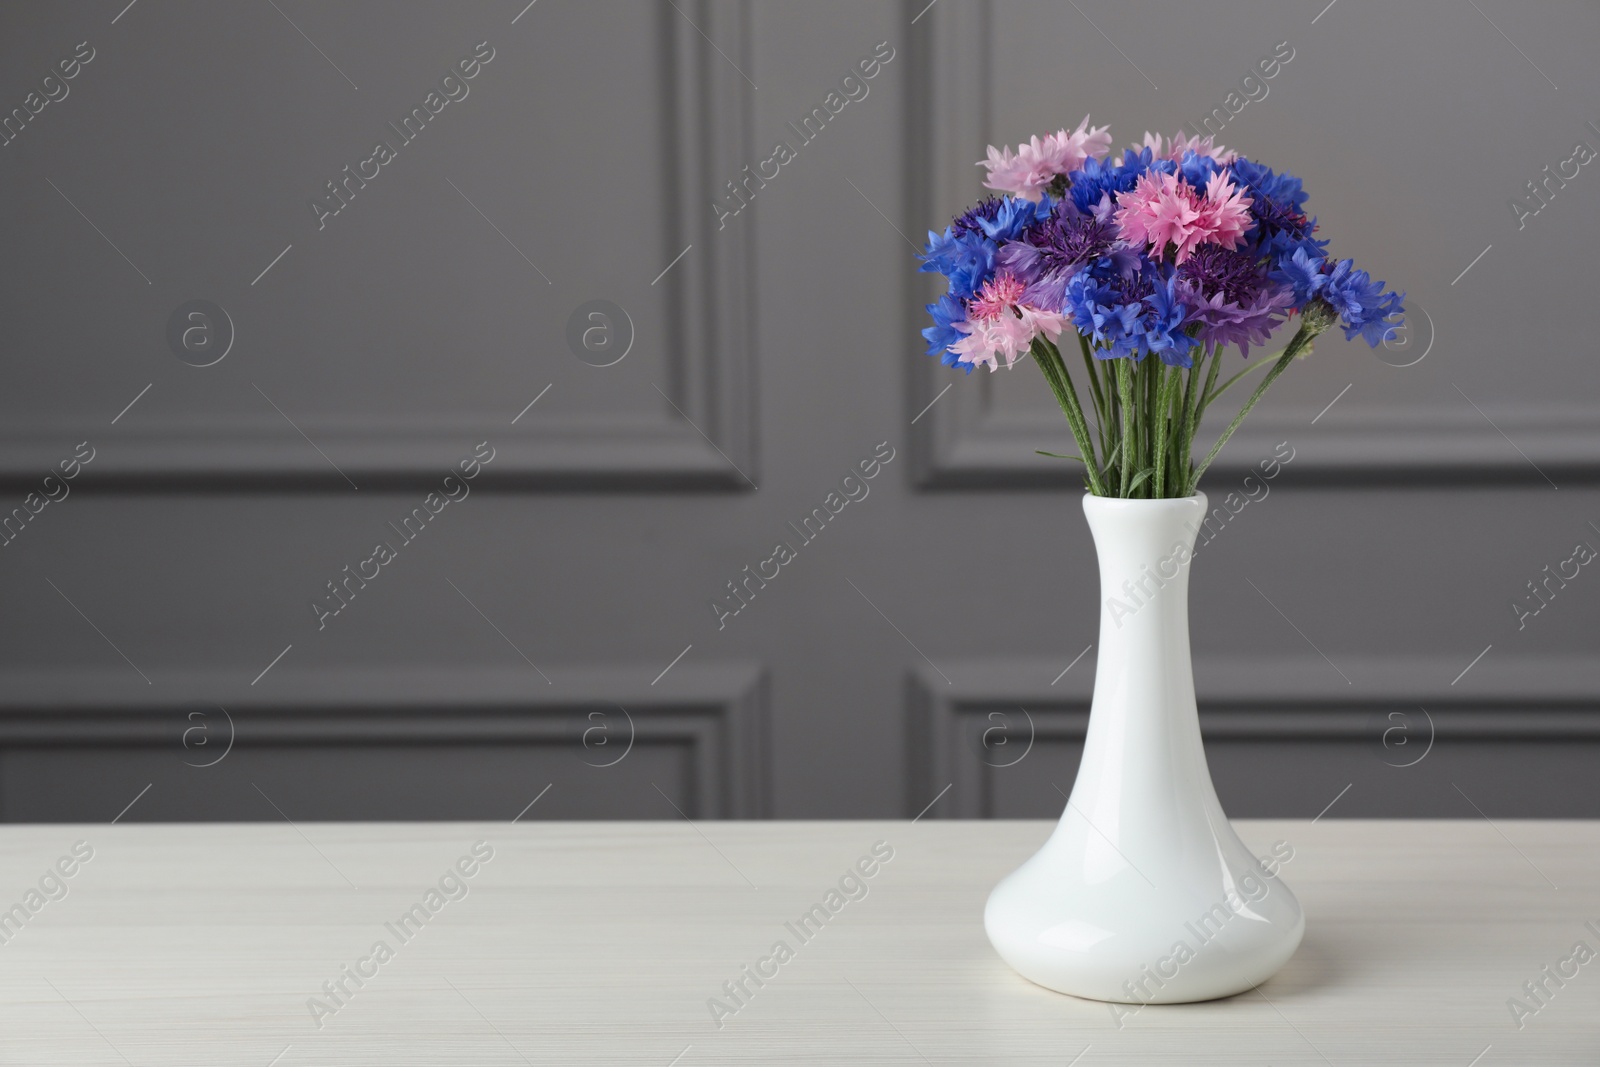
162, 609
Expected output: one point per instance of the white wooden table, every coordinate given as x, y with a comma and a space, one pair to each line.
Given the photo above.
603, 944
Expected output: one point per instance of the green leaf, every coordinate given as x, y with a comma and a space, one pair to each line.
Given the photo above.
1049, 360
1139, 478
1057, 455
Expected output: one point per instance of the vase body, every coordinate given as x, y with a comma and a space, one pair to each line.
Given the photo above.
1143, 893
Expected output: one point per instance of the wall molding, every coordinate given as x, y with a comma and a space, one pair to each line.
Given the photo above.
965, 442
709, 375
1298, 700
718, 710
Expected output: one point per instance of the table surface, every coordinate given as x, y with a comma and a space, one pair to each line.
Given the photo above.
606, 943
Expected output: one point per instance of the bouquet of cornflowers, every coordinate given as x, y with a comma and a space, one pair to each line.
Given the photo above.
1178, 250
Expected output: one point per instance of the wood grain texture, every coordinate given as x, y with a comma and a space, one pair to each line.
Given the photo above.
585, 944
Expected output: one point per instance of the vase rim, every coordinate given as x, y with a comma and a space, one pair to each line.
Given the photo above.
1196, 498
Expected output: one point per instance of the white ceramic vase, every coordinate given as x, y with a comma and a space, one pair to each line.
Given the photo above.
1143, 893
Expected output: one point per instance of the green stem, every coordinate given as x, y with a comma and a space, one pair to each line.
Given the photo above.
1164, 394
1182, 438
1177, 482
1264, 361
1135, 431
1055, 373
1192, 414
1147, 442
1108, 371
1211, 379
1094, 384
1302, 339
1125, 393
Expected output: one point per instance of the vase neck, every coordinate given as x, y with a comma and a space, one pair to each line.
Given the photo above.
1143, 760
1144, 548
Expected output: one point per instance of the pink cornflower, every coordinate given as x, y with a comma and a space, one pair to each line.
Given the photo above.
998, 295
1039, 160
1163, 209
1008, 335
1224, 212
1012, 174
1181, 142
1159, 210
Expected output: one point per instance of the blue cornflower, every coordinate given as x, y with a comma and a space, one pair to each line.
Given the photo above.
1281, 227
1162, 323
1362, 305
1263, 181
1003, 218
1277, 247
1197, 169
966, 259
970, 220
1103, 312
1303, 273
1130, 316
965, 252
1105, 177
946, 311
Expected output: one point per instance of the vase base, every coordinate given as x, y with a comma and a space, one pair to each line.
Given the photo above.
1210, 921
1197, 986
